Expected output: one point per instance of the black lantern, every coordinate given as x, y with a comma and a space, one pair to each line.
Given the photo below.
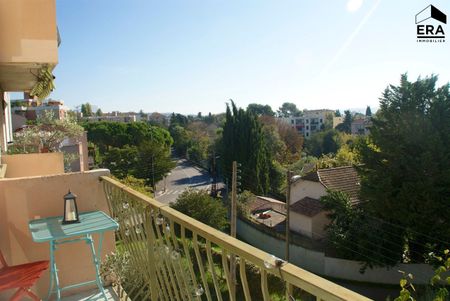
70, 209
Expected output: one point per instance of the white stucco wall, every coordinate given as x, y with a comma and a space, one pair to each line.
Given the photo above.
319, 222
309, 226
301, 224
303, 188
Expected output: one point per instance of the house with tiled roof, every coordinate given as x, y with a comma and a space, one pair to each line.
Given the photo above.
307, 215
361, 126
266, 211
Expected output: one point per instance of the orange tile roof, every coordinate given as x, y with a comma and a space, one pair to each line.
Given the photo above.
344, 179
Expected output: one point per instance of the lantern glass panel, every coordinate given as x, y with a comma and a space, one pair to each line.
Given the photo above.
70, 209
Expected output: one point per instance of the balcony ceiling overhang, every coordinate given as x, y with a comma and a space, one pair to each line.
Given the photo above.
19, 76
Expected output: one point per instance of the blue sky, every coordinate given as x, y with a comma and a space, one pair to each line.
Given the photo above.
191, 56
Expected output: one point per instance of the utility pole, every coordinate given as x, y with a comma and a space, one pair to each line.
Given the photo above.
214, 176
288, 205
153, 175
233, 227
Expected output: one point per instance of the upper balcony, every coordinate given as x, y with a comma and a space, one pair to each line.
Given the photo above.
172, 256
29, 41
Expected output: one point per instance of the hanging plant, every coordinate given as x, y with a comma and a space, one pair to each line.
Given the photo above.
44, 85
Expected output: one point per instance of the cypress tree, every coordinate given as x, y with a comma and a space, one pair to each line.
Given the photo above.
243, 141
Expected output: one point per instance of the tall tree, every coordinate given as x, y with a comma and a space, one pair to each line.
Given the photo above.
200, 205
106, 134
337, 113
86, 109
406, 164
346, 126
293, 141
99, 112
324, 142
354, 235
243, 141
154, 162
260, 110
288, 109
368, 111
178, 119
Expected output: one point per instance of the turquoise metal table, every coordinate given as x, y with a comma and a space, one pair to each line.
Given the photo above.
51, 230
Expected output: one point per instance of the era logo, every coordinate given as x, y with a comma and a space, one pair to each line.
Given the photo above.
429, 30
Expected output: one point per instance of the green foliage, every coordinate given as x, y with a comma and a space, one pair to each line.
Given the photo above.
149, 161
345, 156
116, 267
337, 113
106, 134
277, 174
439, 282
68, 159
288, 109
346, 126
304, 165
121, 161
202, 137
136, 184
368, 111
194, 138
181, 139
406, 171
86, 109
46, 134
44, 83
275, 145
293, 141
136, 149
157, 119
283, 142
154, 162
178, 119
198, 149
99, 112
199, 205
260, 110
355, 236
242, 201
243, 141
328, 122
325, 142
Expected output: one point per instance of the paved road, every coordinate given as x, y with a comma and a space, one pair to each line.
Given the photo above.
183, 176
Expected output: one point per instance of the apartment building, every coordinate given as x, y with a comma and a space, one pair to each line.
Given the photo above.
361, 126
310, 122
23, 110
115, 116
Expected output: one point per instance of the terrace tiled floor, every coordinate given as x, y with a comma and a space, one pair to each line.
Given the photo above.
93, 295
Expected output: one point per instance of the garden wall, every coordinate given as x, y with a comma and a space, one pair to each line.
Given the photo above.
29, 165
319, 263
